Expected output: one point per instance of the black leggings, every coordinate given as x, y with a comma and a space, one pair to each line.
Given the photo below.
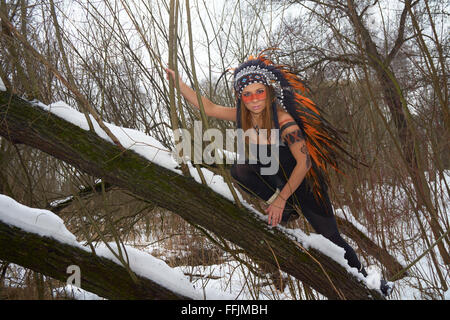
319, 215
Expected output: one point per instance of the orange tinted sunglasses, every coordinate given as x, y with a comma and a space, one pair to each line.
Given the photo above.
260, 94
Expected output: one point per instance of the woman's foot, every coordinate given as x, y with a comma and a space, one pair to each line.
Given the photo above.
386, 287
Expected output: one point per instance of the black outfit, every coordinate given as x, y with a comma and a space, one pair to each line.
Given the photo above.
319, 215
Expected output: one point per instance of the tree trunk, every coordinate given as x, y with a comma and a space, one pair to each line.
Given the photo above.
24, 122
98, 275
393, 98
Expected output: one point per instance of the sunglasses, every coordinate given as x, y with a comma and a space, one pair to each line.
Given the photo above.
260, 94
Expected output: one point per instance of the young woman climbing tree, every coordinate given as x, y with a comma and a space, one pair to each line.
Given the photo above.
268, 101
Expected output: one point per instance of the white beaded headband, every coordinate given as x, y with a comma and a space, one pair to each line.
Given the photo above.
266, 78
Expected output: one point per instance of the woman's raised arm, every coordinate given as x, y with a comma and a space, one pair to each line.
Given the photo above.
211, 109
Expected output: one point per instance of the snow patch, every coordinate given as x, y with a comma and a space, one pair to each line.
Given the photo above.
152, 268
215, 182
2, 85
39, 221
373, 279
75, 293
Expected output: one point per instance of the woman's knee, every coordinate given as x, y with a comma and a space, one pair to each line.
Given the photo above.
324, 224
240, 172
234, 171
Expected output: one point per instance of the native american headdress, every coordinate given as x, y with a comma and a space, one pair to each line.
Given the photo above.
324, 142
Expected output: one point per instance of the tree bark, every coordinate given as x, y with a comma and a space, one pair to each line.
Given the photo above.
24, 122
385, 77
99, 275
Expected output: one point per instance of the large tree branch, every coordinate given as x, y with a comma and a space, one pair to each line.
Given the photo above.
98, 275
84, 192
401, 33
23, 121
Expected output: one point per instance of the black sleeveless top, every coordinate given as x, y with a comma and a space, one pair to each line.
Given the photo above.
264, 154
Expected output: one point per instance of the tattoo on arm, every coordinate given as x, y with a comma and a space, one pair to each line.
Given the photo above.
297, 136
293, 137
308, 158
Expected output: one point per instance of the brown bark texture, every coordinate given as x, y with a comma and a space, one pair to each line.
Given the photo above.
99, 275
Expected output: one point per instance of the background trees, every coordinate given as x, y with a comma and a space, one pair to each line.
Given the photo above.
377, 68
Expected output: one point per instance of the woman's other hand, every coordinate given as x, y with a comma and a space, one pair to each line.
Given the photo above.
170, 73
275, 211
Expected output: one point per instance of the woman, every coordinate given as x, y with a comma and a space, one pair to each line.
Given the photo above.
266, 98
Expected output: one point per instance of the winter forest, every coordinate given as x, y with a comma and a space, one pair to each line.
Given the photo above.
95, 205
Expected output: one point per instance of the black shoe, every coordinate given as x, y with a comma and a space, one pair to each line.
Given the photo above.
386, 287
363, 271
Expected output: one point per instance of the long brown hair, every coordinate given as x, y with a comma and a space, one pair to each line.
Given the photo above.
266, 114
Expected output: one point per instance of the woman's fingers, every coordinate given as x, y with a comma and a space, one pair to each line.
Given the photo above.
169, 73
275, 215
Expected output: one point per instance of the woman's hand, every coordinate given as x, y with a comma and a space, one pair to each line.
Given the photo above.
275, 211
170, 74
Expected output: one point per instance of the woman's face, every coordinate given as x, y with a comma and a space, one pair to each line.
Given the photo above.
254, 97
